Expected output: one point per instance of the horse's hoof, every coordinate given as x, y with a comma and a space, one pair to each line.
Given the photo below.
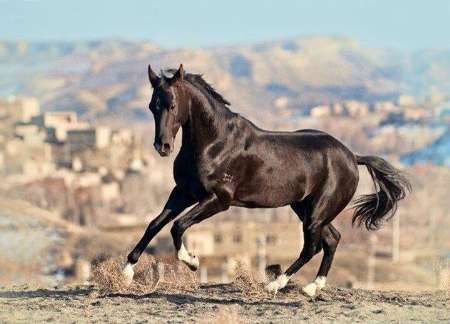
193, 263
272, 287
310, 289
277, 284
128, 274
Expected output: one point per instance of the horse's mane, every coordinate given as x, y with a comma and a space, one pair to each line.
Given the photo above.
197, 81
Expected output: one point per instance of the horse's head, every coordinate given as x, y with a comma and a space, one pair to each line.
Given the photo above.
166, 108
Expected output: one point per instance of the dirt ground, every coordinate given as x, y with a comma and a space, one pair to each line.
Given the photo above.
174, 296
220, 303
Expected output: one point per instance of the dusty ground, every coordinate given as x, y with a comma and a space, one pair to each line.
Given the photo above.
219, 303
26, 236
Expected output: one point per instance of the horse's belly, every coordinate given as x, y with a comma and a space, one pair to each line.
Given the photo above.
268, 194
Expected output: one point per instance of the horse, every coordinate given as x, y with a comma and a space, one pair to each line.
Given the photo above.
225, 160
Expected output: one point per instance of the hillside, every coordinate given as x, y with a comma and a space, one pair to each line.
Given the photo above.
437, 152
107, 79
30, 242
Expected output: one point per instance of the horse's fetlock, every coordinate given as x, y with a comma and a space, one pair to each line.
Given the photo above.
133, 257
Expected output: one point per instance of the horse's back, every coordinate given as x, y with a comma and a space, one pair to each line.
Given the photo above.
312, 141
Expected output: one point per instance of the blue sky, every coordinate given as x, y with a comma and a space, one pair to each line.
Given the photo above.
403, 24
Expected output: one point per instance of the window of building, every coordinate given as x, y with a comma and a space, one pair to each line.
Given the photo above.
237, 238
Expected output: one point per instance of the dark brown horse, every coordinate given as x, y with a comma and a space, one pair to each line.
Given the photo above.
225, 160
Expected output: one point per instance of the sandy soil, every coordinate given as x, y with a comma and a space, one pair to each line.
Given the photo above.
219, 304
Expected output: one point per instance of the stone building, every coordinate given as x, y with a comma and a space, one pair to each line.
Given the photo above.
321, 111
88, 138
20, 109
55, 119
29, 133
27, 159
57, 124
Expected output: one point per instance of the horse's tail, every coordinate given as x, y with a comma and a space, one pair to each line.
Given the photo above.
390, 185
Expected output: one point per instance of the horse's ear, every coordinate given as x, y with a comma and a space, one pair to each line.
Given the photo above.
153, 77
179, 75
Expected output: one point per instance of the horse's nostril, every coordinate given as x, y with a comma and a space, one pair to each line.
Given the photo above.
166, 147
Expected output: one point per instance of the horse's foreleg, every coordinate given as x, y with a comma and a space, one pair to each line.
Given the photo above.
205, 209
177, 202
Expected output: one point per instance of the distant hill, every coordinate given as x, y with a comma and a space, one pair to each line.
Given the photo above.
436, 153
107, 79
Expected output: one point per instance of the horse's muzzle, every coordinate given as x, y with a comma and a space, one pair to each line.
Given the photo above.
163, 149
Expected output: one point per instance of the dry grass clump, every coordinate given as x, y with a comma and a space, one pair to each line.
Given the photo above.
245, 281
146, 275
108, 276
177, 276
149, 274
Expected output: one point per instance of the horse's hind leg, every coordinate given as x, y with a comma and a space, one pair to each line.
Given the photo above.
312, 237
330, 241
317, 215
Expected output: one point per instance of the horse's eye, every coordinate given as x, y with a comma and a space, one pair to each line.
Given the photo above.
172, 107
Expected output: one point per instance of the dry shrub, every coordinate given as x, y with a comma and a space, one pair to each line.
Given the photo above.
108, 276
245, 281
149, 274
177, 276
146, 275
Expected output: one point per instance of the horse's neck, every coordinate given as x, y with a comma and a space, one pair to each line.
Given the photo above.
205, 122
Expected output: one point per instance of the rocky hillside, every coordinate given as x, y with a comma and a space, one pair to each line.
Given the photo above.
107, 79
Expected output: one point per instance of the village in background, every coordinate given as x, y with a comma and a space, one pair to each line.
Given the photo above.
78, 189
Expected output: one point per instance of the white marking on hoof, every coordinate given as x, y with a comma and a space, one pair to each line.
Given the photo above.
320, 282
128, 274
312, 288
191, 260
277, 284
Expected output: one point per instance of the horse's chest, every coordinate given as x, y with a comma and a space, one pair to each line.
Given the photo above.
185, 170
